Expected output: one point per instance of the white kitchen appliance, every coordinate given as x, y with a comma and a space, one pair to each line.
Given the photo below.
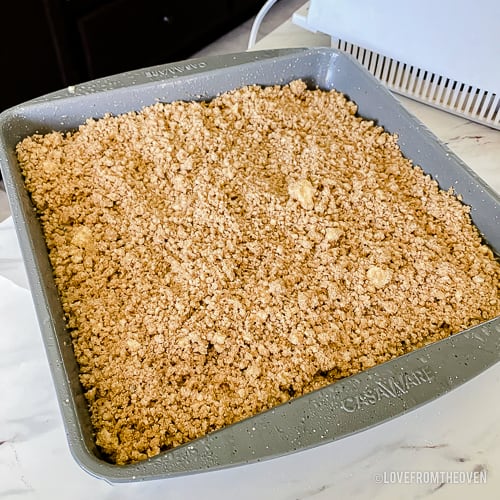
445, 53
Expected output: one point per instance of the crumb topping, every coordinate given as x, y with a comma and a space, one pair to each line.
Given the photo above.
216, 259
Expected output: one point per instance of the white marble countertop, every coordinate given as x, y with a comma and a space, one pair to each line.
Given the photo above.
456, 434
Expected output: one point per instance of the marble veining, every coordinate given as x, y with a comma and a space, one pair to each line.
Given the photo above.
456, 433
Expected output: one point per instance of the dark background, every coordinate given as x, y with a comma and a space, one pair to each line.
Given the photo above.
46, 45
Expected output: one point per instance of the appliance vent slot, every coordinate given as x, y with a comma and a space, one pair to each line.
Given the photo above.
465, 100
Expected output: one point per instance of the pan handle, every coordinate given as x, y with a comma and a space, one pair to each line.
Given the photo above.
164, 72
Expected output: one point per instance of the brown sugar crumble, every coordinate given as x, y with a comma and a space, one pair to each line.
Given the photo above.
216, 259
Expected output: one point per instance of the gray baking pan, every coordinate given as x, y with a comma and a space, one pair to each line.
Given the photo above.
343, 408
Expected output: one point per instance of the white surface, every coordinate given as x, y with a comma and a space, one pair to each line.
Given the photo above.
459, 432
457, 39
4, 204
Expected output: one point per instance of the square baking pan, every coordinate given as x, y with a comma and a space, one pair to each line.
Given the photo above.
336, 411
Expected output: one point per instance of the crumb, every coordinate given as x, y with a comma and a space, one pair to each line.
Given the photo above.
378, 277
333, 234
302, 191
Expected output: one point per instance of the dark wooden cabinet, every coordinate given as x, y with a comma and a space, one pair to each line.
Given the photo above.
125, 34
30, 62
49, 44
